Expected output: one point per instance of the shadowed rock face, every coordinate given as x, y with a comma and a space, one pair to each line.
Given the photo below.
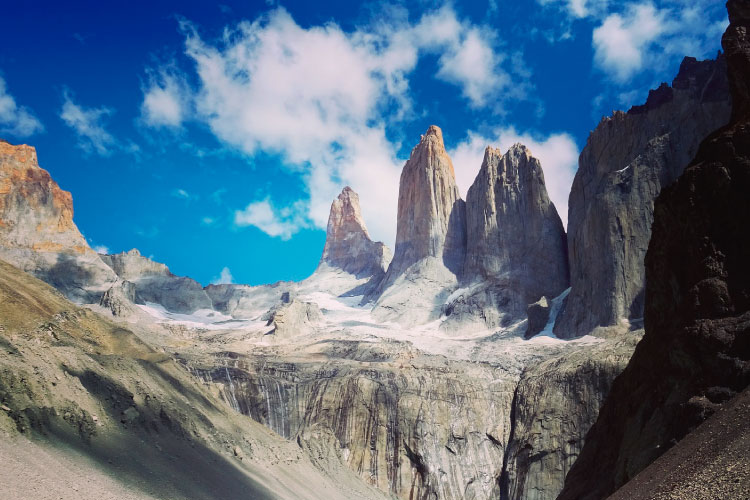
513, 230
37, 231
348, 244
695, 353
627, 161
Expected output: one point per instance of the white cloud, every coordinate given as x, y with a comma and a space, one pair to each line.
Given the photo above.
557, 153
184, 195
14, 119
88, 126
208, 221
165, 101
621, 42
224, 278
645, 36
321, 98
282, 222
100, 249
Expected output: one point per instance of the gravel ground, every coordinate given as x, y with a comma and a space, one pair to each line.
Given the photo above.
710, 463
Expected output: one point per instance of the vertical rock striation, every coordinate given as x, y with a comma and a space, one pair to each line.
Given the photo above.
513, 228
695, 353
627, 161
515, 239
37, 231
430, 236
352, 264
555, 404
414, 427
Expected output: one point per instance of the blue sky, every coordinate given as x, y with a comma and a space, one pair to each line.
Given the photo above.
213, 137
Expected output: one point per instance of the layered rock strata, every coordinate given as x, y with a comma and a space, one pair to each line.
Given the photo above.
627, 161
695, 354
37, 231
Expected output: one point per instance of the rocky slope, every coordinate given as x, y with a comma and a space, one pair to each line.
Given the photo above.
81, 391
407, 410
37, 229
711, 462
516, 246
430, 236
628, 159
154, 283
695, 354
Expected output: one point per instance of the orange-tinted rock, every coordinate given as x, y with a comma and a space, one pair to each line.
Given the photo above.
348, 244
37, 232
34, 212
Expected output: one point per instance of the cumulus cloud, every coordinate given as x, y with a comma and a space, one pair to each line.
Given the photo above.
621, 43
635, 37
558, 154
101, 249
88, 125
265, 216
224, 278
14, 119
166, 100
321, 98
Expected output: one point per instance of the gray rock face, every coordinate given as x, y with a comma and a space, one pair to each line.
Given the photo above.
292, 317
430, 235
431, 215
37, 232
156, 284
414, 428
422, 426
538, 315
695, 353
627, 161
348, 244
555, 404
513, 229
516, 247
244, 301
120, 298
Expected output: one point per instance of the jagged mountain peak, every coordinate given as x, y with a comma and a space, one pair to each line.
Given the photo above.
348, 244
515, 238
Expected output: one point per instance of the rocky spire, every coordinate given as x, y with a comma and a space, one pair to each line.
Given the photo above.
431, 214
627, 160
430, 235
513, 229
348, 244
695, 354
